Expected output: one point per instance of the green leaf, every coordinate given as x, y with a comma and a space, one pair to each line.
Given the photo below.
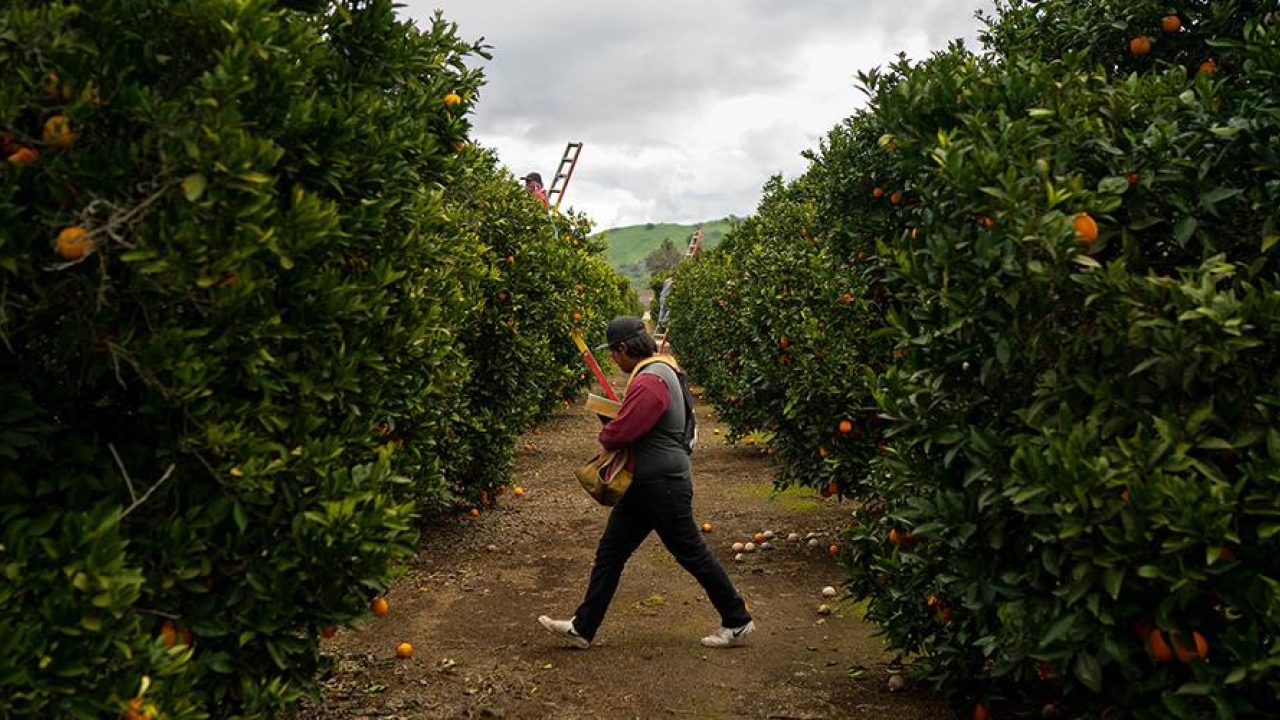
241, 518
1112, 579
1185, 230
193, 186
1113, 185
1089, 672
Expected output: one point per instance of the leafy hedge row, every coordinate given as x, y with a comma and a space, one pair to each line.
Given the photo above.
1077, 504
251, 322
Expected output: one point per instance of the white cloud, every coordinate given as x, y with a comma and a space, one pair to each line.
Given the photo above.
684, 110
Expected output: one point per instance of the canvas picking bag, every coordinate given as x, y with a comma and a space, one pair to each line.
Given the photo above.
605, 477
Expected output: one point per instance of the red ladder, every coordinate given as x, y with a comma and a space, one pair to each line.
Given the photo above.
563, 174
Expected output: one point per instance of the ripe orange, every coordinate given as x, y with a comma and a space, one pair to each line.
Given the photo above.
896, 197
72, 243
137, 710
473, 512
329, 632
452, 99
758, 538
24, 155
1208, 67
1140, 46
57, 132
822, 451
577, 316
517, 491
831, 489
1171, 24
784, 342
1124, 496
379, 606
1132, 178
1160, 650
404, 651
833, 550
877, 193
1199, 648
706, 527
169, 633
845, 426
986, 221
980, 712
1086, 228
894, 537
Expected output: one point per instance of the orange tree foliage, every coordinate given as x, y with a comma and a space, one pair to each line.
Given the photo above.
218, 425
1083, 445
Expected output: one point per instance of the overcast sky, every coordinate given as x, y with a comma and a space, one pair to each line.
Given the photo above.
684, 107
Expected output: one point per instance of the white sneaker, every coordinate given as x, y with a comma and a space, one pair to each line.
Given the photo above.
728, 637
564, 628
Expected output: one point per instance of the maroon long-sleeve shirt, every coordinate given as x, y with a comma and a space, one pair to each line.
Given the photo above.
646, 400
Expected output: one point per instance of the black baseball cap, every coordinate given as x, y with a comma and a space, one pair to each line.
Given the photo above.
622, 329
533, 176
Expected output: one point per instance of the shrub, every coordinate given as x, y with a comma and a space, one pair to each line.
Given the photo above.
190, 412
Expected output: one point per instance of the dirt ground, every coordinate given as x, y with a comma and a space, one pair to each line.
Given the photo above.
469, 604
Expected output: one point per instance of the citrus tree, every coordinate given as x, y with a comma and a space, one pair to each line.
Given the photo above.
777, 323
244, 305
1074, 256
544, 277
1080, 498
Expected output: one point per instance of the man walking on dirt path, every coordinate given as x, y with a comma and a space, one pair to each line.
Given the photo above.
651, 422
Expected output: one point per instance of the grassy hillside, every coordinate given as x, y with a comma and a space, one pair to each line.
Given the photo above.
628, 246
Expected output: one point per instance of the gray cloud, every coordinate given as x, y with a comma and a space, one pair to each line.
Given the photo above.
685, 110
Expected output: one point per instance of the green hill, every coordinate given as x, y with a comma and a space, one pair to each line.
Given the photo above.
630, 245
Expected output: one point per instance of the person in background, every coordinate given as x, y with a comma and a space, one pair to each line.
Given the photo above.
533, 183
651, 421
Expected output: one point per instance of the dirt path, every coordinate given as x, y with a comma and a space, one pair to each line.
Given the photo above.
470, 602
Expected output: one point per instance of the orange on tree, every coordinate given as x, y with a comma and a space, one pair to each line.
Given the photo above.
23, 155
877, 193
404, 651
894, 537
845, 427
1199, 648
168, 633
452, 99
1160, 650
74, 243
1208, 67
895, 197
378, 606
473, 512
57, 132
1171, 24
1140, 46
1086, 228
137, 710
822, 451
